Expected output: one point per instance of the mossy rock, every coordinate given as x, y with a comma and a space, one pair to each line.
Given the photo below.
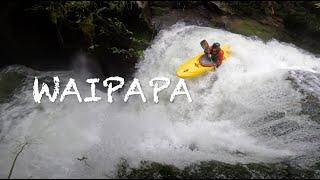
215, 169
9, 83
159, 11
250, 27
147, 169
155, 170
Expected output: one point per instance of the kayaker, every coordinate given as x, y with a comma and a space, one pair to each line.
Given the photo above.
214, 52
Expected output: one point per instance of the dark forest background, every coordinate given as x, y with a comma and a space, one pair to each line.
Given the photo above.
47, 35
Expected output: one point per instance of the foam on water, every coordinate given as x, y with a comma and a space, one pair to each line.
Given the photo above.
245, 112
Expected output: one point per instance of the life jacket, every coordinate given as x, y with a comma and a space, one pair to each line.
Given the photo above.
218, 58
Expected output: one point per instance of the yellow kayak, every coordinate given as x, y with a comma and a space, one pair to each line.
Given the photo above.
192, 68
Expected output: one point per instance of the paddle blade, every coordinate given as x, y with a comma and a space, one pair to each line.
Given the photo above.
205, 46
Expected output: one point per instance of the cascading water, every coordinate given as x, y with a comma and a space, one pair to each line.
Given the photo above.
248, 111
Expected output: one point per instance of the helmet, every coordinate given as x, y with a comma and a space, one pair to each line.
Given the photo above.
216, 45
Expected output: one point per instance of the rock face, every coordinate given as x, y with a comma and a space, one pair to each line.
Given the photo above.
299, 20
9, 83
293, 22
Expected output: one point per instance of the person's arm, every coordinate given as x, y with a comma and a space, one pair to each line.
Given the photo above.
206, 51
209, 52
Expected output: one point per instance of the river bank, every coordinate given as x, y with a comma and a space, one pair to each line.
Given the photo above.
291, 22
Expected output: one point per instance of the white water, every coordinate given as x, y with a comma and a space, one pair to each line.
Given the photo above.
226, 120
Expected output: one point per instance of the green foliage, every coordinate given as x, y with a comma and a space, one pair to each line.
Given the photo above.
56, 12
103, 24
305, 22
79, 8
126, 54
119, 6
88, 27
118, 27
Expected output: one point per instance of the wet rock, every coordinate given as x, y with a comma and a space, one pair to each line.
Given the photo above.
193, 147
215, 7
215, 169
308, 84
149, 170
10, 83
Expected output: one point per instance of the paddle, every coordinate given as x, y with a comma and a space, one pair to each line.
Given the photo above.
204, 44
